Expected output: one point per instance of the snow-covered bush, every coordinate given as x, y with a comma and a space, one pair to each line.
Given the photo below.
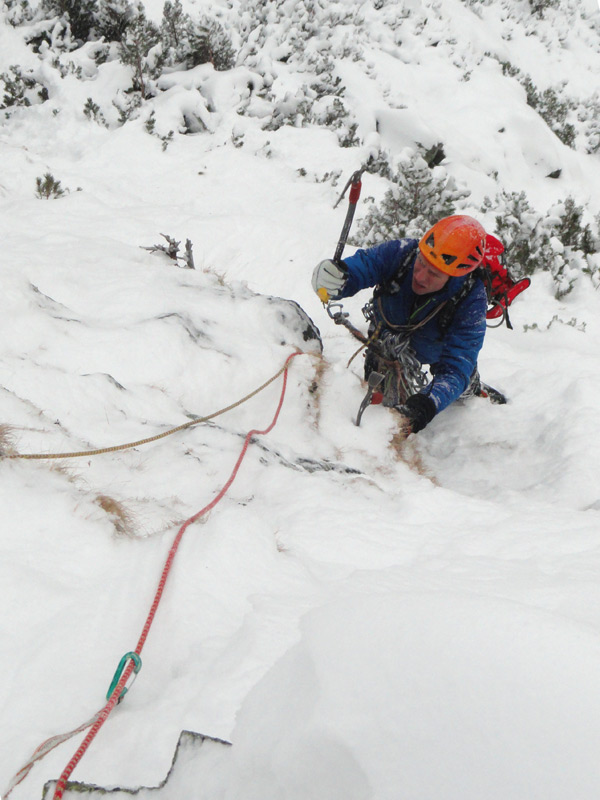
212, 45
93, 112
78, 21
48, 188
188, 42
558, 242
18, 12
554, 109
150, 126
77, 14
539, 6
551, 104
112, 18
295, 29
418, 197
283, 37
19, 87
140, 50
588, 113
572, 230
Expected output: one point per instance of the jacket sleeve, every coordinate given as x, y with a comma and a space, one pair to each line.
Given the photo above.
462, 343
375, 265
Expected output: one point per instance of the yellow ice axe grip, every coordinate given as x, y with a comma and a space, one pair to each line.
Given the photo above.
323, 295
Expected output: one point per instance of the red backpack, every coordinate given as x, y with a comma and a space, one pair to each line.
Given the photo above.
501, 287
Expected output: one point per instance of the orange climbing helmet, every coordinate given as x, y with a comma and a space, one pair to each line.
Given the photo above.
454, 245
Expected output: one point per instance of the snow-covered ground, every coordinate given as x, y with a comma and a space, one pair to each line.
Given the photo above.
361, 616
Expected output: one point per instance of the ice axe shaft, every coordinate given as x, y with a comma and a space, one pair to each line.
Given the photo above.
355, 184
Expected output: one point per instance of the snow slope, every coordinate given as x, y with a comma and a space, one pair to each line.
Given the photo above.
361, 617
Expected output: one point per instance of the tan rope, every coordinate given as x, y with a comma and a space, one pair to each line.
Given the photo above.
140, 442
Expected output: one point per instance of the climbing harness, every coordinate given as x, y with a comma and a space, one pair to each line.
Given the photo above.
131, 663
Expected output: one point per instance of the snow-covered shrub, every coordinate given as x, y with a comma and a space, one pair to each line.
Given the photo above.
78, 15
298, 28
48, 188
283, 38
304, 108
127, 105
588, 113
216, 44
150, 126
174, 31
539, 6
19, 87
571, 229
291, 109
318, 102
418, 197
93, 112
18, 12
551, 104
554, 110
171, 249
325, 82
189, 42
140, 50
112, 18
61, 25
558, 242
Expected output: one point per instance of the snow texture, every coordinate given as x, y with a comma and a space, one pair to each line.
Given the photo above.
361, 616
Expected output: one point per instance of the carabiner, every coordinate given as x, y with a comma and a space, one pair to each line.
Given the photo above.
137, 665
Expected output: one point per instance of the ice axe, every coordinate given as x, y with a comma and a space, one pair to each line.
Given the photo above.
355, 184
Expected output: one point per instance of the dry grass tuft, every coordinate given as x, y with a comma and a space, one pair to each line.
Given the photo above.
407, 450
7, 441
121, 518
314, 390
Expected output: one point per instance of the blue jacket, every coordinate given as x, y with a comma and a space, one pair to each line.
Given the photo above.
451, 355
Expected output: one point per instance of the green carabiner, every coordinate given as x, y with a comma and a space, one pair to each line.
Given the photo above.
137, 665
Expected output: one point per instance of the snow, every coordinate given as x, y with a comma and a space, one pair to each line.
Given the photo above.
482, 706
361, 617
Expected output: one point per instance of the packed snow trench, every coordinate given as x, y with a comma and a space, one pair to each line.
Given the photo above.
362, 616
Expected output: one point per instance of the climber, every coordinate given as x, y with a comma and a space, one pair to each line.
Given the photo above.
428, 308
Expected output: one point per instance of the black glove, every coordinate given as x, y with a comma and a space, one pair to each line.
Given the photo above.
419, 410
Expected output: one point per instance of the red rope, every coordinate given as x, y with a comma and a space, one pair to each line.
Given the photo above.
114, 698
